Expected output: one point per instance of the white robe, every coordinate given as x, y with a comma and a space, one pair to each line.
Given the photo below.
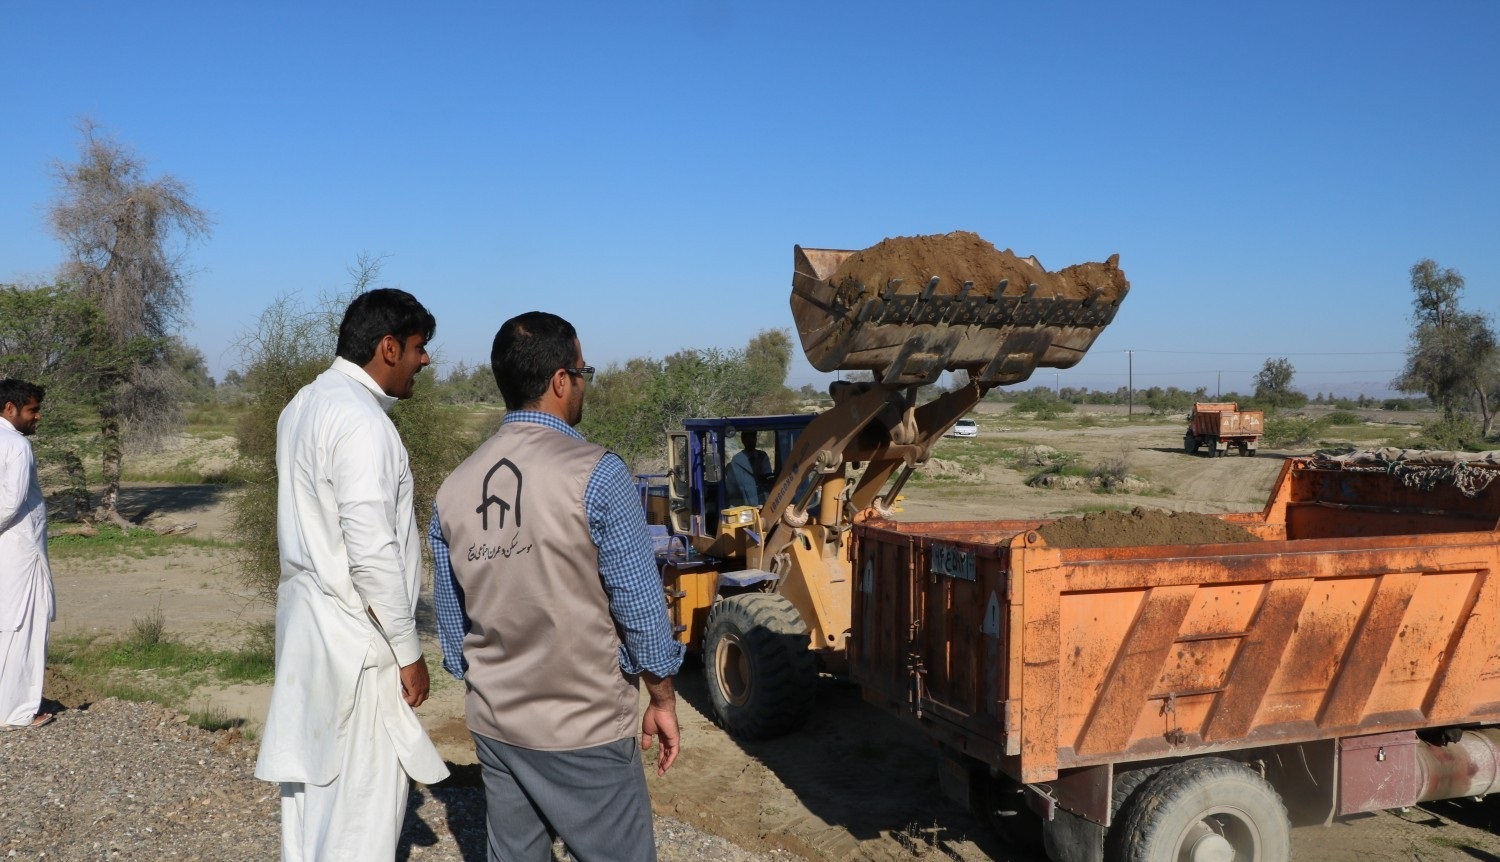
27, 603
350, 555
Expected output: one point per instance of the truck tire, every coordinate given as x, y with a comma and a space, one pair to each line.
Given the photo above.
1207, 808
1190, 444
760, 670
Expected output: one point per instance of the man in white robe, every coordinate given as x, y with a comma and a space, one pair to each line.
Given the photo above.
27, 605
341, 736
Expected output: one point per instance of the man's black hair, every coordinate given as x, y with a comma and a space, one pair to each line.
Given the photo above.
375, 314
528, 350
19, 392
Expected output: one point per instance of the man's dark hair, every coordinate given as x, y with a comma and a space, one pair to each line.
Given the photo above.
18, 392
375, 314
528, 350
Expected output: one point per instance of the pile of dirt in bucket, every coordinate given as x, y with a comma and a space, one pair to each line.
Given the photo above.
1141, 526
964, 256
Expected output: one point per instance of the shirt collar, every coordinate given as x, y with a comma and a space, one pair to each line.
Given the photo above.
363, 378
537, 417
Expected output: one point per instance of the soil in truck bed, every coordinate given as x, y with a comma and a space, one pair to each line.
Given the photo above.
1141, 526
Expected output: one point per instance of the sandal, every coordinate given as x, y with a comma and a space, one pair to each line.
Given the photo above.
41, 719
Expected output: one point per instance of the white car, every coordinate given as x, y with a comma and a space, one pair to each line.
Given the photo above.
964, 428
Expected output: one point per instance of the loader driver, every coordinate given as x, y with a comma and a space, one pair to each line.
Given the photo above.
750, 474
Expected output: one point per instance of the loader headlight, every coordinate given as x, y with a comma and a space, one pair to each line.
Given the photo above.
745, 517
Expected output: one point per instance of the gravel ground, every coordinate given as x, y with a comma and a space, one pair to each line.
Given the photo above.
122, 780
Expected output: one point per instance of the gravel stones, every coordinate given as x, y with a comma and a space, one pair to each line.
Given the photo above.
122, 780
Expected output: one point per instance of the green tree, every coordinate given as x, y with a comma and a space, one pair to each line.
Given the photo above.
55, 337
630, 406
290, 345
1273, 385
465, 385
123, 234
1453, 356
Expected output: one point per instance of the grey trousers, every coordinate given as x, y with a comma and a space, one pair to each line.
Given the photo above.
594, 799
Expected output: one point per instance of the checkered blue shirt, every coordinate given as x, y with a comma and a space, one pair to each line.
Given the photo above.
627, 566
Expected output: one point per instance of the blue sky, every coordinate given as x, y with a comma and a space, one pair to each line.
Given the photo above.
1268, 173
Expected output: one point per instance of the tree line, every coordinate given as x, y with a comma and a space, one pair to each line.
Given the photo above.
104, 338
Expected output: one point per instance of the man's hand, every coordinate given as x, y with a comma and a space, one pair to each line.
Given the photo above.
660, 722
414, 683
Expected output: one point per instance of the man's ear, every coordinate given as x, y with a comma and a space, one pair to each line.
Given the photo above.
389, 349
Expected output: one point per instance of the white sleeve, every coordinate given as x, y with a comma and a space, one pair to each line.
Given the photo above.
15, 480
363, 471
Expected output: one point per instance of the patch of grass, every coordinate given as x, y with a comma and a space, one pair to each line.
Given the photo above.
255, 660
1065, 465
150, 665
214, 418
212, 717
1291, 430
111, 541
1090, 508
1343, 417
188, 472
148, 632
1111, 472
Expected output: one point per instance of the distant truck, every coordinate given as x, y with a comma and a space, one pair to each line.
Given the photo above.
1214, 426
1179, 703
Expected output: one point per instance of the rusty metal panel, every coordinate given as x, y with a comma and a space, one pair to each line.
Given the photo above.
883, 614
1378, 771
1369, 646
1250, 675
1135, 670
1041, 671
1457, 682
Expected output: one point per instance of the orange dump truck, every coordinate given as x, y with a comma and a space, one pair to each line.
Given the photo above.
1192, 702
1215, 426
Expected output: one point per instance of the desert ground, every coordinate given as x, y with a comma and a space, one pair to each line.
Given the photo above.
856, 783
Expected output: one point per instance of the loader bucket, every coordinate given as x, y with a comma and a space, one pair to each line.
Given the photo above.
910, 308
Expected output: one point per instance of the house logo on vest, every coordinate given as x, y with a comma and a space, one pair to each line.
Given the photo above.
491, 496
500, 494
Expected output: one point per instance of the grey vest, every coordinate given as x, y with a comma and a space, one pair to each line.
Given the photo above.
543, 651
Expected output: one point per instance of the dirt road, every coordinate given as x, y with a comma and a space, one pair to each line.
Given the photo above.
856, 783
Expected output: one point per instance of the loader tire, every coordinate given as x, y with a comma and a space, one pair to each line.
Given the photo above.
1208, 807
760, 670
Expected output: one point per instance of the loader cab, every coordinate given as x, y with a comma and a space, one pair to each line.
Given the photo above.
701, 461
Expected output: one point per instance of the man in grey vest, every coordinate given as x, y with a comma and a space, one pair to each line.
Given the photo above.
550, 607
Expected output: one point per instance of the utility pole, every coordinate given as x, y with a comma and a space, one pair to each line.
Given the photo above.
1130, 383
1219, 387
1057, 383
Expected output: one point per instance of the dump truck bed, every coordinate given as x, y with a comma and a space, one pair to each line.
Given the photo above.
1225, 420
1368, 600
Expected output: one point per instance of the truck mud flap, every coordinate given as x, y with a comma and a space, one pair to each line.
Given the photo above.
1070, 838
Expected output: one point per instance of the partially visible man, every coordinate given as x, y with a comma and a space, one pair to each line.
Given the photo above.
342, 737
551, 608
750, 474
27, 604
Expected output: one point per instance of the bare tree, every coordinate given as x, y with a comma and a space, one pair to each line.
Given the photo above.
124, 235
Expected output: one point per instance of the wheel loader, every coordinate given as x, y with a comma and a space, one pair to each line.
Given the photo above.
759, 584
